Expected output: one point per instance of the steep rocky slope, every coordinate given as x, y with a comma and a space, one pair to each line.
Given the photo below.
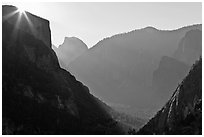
30, 23
182, 114
38, 97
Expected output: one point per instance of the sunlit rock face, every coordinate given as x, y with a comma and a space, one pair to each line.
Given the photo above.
182, 114
38, 97
69, 50
28, 22
190, 47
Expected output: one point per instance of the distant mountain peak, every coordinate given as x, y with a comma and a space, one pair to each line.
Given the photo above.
69, 50
73, 40
150, 28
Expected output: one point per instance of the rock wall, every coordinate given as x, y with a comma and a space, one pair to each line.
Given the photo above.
38, 97
190, 47
182, 114
28, 22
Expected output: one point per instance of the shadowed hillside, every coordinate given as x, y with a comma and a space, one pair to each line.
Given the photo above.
38, 97
135, 73
182, 114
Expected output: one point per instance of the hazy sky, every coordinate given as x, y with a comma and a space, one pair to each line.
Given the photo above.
92, 22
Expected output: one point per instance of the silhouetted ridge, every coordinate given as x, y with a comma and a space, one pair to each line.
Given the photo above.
189, 27
38, 97
74, 40
27, 22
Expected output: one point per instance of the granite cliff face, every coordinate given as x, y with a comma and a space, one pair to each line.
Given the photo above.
182, 114
190, 47
71, 48
174, 69
39, 97
29, 23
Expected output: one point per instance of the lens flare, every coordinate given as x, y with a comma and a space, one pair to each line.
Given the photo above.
21, 10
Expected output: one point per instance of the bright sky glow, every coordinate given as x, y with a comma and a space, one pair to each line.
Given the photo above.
21, 9
92, 22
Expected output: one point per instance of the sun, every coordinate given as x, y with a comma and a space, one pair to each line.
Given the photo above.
21, 9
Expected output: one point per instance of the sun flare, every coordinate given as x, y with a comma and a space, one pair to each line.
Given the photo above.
21, 9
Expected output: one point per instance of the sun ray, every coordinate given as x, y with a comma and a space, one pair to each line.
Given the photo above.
6, 17
21, 9
24, 14
29, 23
21, 17
14, 33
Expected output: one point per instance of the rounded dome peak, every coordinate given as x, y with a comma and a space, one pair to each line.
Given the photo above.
72, 38
68, 41
150, 29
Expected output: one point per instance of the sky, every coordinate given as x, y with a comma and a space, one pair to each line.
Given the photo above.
92, 22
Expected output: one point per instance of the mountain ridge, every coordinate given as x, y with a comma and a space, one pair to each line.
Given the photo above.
73, 38
28, 22
69, 50
154, 28
124, 64
190, 47
39, 97
182, 114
